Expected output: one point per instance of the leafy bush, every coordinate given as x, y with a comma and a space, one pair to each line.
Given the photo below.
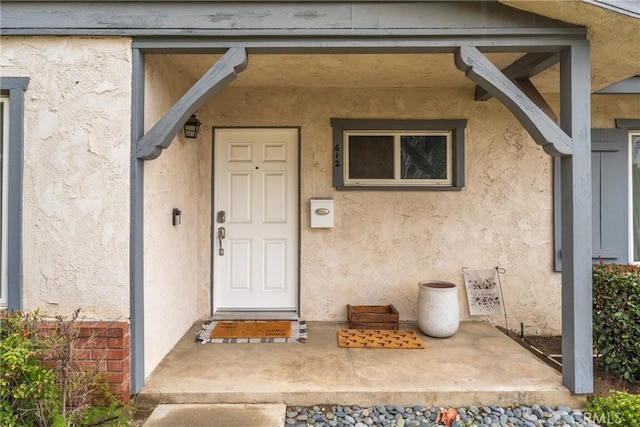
617, 409
616, 319
70, 393
28, 391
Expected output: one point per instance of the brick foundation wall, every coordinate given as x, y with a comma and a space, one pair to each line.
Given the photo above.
107, 346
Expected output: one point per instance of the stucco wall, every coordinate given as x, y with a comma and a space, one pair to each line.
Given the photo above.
76, 172
606, 108
384, 243
170, 252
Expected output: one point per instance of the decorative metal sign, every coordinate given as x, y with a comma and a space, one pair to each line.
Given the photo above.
483, 292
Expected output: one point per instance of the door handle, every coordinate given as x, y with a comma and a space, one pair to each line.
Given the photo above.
221, 235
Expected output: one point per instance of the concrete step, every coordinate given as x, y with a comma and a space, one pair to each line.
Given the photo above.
217, 415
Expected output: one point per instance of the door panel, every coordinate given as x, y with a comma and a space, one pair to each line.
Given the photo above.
256, 185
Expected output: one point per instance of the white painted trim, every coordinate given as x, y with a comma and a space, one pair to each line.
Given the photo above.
397, 180
4, 271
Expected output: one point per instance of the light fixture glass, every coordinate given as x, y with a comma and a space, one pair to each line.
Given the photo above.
192, 127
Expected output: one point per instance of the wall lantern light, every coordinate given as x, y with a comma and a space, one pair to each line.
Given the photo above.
192, 127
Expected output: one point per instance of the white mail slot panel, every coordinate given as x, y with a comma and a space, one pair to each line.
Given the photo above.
321, 213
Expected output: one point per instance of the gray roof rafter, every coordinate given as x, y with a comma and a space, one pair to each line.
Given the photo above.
165, 130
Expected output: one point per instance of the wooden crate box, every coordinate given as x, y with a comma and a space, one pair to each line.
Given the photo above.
372, 317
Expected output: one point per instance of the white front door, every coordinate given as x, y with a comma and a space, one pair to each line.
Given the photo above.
255, 221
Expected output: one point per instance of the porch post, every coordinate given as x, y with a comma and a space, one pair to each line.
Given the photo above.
575, 113
136, 232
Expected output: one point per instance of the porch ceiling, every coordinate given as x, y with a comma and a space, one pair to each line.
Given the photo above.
613, 36
614, 55
349, 70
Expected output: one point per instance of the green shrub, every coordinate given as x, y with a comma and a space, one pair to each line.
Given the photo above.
617, 409
616, 319
69, 394
28, 391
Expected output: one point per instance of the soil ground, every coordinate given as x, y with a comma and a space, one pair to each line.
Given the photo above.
549, 349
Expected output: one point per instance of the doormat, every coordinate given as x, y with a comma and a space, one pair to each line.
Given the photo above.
359, 338
242, 332
228, 329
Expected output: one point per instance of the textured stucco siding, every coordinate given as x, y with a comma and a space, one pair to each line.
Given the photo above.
76, 172
384, 243
606, 108
171, 258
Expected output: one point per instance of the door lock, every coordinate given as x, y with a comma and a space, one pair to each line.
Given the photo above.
222, 217
221, 236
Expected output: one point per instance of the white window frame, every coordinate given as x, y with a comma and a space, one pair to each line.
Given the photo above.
632, 133
4, 278
397, 167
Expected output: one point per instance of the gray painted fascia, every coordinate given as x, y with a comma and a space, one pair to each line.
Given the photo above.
625, 7
16, 87
224, 19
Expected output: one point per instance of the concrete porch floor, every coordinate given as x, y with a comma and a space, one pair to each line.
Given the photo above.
477, 366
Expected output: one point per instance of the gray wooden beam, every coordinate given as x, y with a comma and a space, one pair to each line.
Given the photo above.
136, 226
541, 128
575, 172
533, 94
523, 68
192, 17
161, 135
354, 42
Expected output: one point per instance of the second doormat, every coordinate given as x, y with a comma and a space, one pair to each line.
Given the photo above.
358, 338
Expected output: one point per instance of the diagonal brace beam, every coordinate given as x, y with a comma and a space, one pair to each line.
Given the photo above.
530, 90
542, 129
160, 136
524, 68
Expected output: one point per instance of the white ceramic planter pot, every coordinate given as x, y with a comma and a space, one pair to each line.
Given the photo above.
438, 312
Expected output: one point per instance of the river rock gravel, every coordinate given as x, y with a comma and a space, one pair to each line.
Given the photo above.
425, 416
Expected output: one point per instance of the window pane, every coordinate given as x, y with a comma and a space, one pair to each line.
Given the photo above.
423, 157
635, 175
371, 157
